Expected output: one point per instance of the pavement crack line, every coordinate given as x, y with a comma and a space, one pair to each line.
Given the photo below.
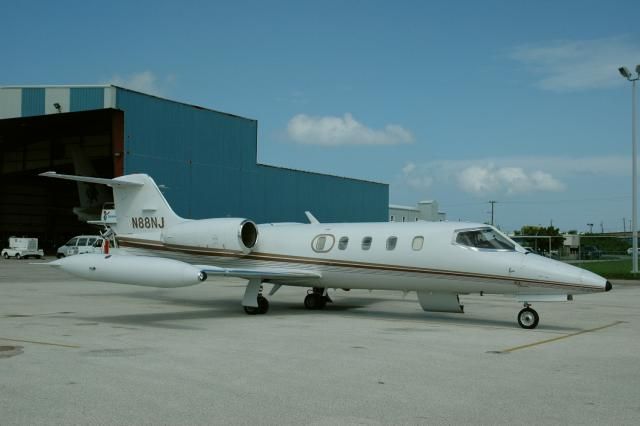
555, 339
41, 343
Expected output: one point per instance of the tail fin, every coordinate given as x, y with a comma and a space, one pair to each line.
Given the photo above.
140, 206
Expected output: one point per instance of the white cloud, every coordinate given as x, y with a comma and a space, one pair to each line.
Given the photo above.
510, 180
332, 131
145, 81
579, 65
511, 175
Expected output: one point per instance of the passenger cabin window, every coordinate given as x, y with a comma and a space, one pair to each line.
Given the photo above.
484, 238
417, 243
391, 243
82, 242
343, 243
366, 243
72, 242
91, 241
322, 243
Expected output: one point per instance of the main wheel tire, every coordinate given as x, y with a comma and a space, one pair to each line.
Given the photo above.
528, 318
251, 310
263, 305
18, 256
321, 301
310, 301
315, 301
6, 255
59, 255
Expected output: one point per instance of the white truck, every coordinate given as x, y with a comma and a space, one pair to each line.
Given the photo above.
22, 248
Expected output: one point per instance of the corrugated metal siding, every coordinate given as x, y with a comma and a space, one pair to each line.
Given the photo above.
32, 101
86, 98
207, 161
184, 144
329, 198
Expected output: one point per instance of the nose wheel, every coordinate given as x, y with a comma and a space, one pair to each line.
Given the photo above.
528, 318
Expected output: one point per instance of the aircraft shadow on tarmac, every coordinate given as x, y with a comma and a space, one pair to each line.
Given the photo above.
349, 307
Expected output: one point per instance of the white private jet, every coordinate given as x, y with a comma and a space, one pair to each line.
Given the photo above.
438, 260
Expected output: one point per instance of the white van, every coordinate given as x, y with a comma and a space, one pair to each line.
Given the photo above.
81, 244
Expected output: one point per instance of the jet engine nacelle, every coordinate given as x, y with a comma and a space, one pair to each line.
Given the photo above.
224, 234
136, 270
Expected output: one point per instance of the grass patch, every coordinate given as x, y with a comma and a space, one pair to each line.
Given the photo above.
617, 269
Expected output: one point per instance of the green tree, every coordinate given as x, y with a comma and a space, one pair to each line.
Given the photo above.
542, 244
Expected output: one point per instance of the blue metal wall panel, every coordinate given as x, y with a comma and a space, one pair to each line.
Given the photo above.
32, 101
207, 162
86, 98
191, 147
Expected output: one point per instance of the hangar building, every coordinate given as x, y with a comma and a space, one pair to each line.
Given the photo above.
204, 160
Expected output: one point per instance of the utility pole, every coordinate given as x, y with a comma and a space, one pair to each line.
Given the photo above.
492, 202
624, 224
590, 225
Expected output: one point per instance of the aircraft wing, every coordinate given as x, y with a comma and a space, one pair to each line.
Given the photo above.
260, 273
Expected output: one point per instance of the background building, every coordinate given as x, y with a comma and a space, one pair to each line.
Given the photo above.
204, 160
425, 210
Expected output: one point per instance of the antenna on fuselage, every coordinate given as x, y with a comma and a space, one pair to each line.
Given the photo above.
312, 218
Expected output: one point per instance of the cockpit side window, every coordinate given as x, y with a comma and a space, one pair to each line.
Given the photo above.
484, 238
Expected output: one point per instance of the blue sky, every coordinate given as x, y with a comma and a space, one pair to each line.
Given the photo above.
462, 102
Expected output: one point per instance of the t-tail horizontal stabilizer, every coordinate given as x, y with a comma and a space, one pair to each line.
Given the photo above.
89, 179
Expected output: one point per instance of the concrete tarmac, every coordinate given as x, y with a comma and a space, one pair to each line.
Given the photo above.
80, 352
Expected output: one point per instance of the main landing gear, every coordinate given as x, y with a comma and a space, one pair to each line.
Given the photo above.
253, 301
316, 299
528, 318
262, 308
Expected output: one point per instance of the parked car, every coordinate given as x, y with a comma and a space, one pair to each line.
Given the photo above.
22, 248
591, 252
81, 244
630, 250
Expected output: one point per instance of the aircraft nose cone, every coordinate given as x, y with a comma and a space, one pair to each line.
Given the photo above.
608, 286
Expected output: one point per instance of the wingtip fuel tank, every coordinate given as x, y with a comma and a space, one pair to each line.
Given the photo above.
136, 270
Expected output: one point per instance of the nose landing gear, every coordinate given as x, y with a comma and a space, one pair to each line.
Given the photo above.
528, 318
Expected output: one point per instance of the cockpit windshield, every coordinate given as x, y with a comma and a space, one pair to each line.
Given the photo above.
484, 238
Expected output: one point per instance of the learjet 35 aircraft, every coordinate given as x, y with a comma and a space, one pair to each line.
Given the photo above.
437, 260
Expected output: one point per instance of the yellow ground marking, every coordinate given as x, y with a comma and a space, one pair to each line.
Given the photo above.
555, 339
41, 343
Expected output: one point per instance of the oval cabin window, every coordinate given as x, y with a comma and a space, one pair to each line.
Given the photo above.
366, 243
323, 243
417, 243
343, 243
391, 243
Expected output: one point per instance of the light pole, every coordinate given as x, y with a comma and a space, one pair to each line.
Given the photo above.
634, 161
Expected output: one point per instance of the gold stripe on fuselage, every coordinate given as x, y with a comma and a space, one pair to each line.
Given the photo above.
270, 257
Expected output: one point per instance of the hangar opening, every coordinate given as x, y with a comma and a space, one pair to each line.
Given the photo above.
86, 142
